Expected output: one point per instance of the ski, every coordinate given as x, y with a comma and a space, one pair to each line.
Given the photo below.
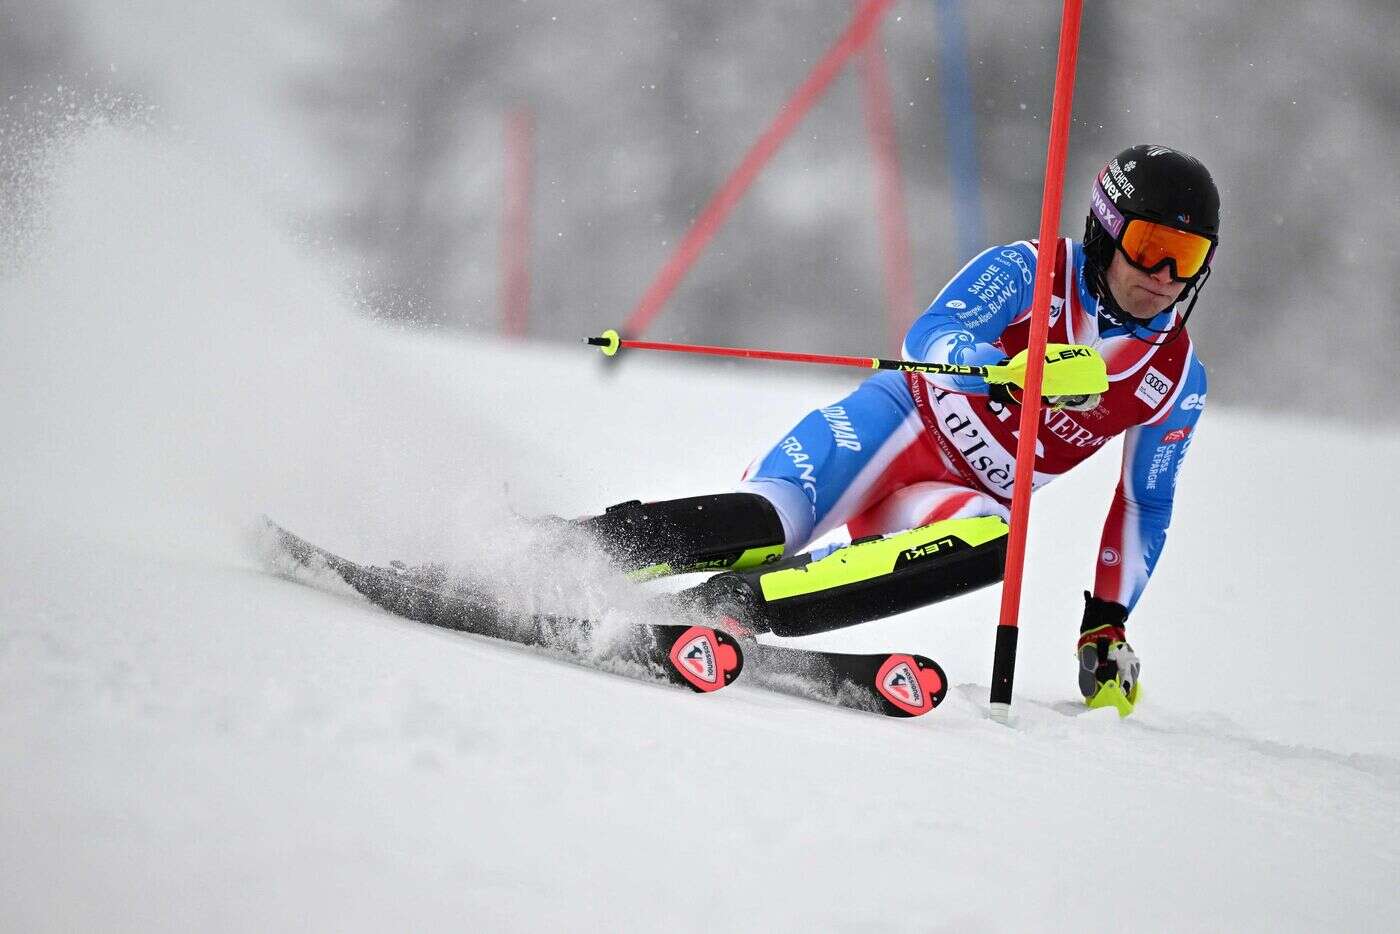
702, 658
895, 684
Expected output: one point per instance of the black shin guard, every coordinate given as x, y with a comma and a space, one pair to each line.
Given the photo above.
866, 580
699, 533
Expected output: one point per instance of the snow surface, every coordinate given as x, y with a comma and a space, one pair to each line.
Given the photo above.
188, 742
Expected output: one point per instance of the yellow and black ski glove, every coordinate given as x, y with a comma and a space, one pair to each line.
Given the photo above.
1108, 666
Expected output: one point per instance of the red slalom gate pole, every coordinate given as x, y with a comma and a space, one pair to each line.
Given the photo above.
724, 200
889, 191
515, 222
1004, 658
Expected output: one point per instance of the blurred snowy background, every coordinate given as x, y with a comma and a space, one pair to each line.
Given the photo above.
203, 205
376, 131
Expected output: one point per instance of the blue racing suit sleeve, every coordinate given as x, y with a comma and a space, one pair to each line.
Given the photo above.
960, 325
1136, 530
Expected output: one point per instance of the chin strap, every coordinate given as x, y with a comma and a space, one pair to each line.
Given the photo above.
1111, 310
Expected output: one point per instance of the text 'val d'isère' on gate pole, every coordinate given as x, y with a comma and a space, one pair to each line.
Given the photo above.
1004, 658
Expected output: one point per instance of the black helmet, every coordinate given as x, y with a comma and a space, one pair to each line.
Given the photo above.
1157, 184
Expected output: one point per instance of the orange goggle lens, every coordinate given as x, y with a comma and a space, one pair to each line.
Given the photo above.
1150, 246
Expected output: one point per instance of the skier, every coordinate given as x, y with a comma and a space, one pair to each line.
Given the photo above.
919, 468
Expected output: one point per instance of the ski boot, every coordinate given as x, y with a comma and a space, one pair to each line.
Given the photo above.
869, 579
679, 536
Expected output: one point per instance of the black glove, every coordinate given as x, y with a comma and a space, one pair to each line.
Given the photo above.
1074, 403
1001, 392
1108, 666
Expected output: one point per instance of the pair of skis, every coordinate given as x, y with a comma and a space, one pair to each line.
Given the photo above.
703, 658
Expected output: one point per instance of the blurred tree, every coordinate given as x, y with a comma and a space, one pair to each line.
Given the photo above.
643, 109
388, 105
38, 48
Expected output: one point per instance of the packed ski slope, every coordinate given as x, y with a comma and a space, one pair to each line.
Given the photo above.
190, 743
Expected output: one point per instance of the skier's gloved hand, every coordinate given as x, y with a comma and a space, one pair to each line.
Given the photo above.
1074, 403
1001, 393
1011, 394
1108, 666
1005, 394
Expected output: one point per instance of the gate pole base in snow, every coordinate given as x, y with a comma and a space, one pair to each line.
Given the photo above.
1003, 672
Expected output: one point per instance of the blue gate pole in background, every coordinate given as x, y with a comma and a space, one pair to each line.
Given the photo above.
961, 128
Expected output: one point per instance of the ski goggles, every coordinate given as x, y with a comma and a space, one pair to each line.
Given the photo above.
1150, 246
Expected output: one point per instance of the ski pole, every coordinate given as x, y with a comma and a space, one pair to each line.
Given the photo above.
1072, 370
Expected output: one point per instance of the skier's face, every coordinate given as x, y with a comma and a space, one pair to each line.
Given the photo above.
1142, 294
